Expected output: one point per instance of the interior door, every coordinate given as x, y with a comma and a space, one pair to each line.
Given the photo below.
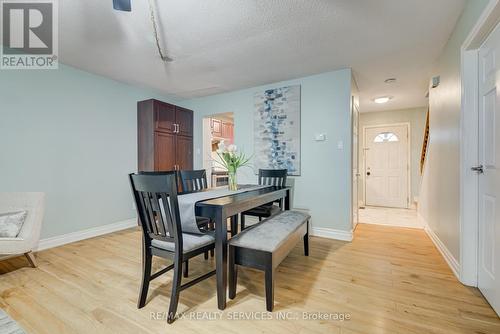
164, 151
184, 152
386, 166
489, 176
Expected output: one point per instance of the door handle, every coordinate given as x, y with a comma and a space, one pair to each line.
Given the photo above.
478, 169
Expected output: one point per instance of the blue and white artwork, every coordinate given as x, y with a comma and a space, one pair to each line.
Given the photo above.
277, 129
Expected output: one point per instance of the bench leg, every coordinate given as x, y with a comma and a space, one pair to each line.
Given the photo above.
269, 273
233, 273
306, 241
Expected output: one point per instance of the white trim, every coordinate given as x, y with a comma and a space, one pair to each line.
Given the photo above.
469, 139
331, 233
448, 257
363, 175
85, 234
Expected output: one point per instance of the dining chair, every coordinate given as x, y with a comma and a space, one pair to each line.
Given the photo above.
269, 177
155, 195
194, 181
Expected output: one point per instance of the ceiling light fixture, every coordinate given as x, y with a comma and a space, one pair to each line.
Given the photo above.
382, 99
390, 80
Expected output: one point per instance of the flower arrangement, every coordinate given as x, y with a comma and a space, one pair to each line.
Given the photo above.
231, 160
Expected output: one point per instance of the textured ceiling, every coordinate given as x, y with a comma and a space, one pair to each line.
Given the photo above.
224, 45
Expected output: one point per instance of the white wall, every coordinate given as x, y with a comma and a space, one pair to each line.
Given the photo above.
439, 196
325, 183
416, 118
72, 135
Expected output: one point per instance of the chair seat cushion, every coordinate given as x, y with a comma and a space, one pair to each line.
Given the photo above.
270, 233
267, 210
190, 242
11, 223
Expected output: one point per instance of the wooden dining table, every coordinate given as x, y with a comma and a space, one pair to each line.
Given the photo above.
220, 209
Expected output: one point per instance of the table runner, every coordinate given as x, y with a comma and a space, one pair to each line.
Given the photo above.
187, 204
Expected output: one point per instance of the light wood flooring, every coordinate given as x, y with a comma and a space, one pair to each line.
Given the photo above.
388, 280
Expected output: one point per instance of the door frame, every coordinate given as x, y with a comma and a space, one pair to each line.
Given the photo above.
408, 149
469, 142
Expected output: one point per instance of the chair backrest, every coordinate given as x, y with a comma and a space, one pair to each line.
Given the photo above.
193, 180
155, 195
272, 177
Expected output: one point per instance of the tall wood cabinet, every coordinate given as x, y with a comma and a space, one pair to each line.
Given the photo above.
164, 136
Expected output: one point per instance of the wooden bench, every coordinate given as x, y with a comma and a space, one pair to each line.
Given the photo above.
264, 245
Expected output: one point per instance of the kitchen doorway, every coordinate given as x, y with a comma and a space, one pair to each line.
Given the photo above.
217, 128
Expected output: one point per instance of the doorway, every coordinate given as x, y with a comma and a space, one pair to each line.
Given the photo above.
387, 165
217, 129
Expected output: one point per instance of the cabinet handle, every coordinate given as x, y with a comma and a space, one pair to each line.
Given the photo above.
178, 128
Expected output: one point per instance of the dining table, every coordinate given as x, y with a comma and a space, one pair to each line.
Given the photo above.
230, 206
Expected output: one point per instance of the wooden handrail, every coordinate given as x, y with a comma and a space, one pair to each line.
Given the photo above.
425, 144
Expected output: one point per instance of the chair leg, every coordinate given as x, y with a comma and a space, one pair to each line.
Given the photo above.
31, 259
242, 224
212, 253
260, 218
176, 284
269, 278
186, 268
147, 258
205, 255
233, 273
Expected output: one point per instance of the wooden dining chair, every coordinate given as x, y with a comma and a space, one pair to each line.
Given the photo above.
195, 181
155, 195
269, 177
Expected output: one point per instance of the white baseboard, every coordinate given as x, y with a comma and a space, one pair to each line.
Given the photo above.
448, 257
330, 233
85, 234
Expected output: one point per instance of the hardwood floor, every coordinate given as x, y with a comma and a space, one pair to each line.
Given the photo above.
388, 280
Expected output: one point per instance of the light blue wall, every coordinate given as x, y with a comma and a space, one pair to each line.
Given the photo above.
72, 135
324, 186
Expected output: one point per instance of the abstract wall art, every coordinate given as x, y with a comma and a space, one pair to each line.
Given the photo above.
277, 129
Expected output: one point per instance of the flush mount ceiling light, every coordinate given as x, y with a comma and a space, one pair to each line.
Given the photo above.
382, 99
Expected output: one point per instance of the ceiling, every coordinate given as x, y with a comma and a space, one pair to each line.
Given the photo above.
225, 45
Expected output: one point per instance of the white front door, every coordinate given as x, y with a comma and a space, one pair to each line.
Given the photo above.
386, 166
489, 180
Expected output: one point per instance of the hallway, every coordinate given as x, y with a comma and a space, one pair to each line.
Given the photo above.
390, 217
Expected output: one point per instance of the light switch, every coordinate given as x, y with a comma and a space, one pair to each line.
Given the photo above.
320, 137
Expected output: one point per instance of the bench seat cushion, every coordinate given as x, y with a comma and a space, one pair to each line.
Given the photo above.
270, 233
189, 242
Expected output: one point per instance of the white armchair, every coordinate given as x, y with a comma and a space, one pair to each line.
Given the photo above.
27, 240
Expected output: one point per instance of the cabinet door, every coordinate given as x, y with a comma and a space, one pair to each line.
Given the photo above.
165, 117
184, 152
226, 130
184, 118
164, 151
216, 128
